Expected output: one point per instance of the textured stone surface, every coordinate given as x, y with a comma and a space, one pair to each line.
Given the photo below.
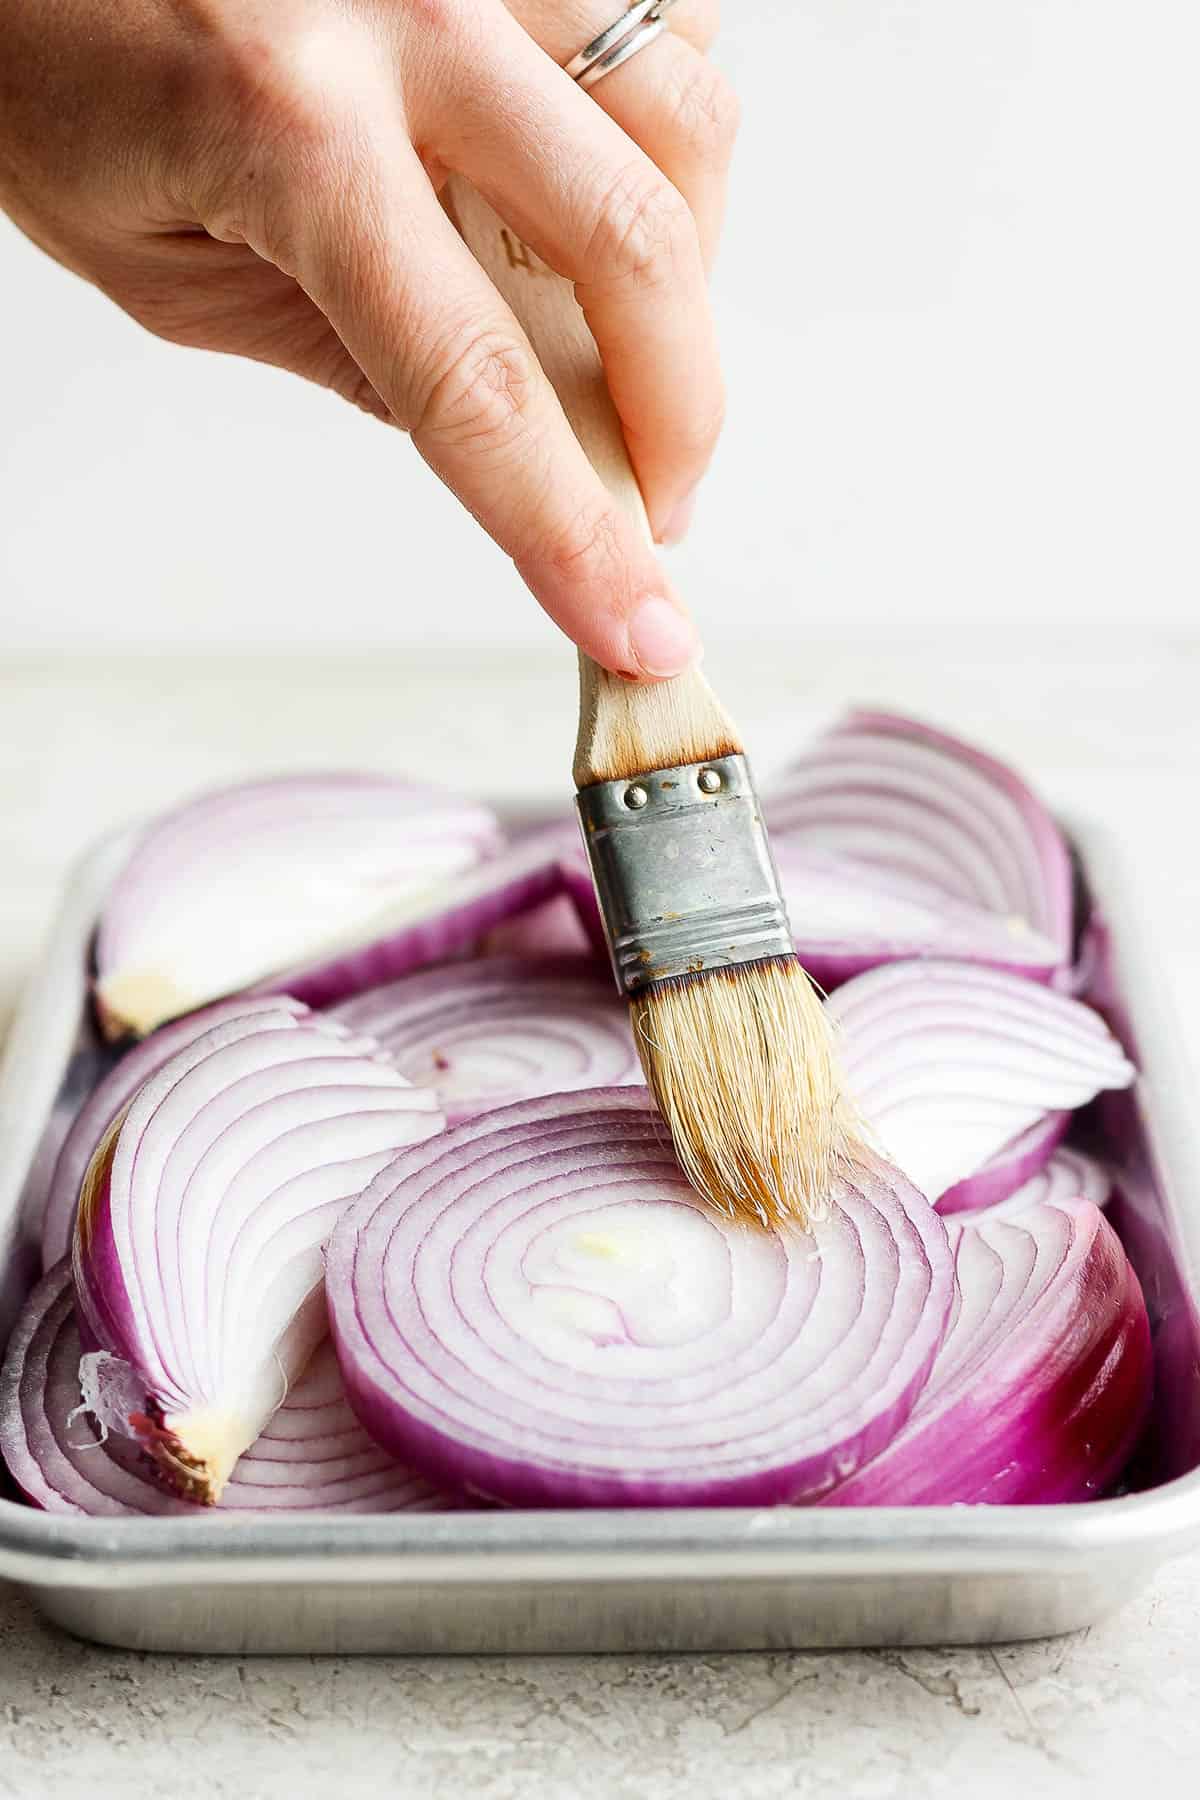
1109, 1711
1111, 730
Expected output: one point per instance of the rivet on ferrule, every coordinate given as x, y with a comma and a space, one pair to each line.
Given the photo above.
684, 874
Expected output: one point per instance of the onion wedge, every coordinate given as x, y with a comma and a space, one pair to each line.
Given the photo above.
241, 883
313, 1456
849, 916
197, 1247
110, 1098
914, 804
948, 1063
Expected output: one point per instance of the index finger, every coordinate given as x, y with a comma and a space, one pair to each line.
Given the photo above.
600, 212
421, 319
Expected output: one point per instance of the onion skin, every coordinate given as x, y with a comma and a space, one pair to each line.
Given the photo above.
550, 1025
312, 1457
538, 1309
1045, 1401
222, 891
197, 1247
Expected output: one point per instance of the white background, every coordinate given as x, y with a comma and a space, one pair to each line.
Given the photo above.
959, 301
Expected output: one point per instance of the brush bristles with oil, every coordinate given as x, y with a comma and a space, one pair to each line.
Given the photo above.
740, 1063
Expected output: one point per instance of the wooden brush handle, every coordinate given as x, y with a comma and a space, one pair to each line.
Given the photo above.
624, 727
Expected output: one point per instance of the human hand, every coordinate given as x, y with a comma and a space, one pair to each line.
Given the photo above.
262, 179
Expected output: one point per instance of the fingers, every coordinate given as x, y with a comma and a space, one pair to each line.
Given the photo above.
568, 180
191, 289
669, 98
681, 110
370, 244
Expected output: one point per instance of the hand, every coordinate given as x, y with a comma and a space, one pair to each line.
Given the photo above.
262, 179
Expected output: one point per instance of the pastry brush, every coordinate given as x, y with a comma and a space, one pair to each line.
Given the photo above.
732, 1036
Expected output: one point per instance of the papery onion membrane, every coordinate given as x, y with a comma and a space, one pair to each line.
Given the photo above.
1042, 1386
916, 804
313, 1456
197, 1249
110, 1098
248, 880
537, 1308
484, 1034
948, 1063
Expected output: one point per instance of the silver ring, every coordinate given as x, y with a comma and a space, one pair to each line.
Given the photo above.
636, 28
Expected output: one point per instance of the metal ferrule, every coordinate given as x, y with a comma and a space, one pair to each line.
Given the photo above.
683, 872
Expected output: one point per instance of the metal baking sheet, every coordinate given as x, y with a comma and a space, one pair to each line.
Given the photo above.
695, 1580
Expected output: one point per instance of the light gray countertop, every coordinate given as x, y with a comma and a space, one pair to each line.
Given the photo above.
1110, 728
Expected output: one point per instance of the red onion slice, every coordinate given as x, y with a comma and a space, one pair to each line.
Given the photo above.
111, 1097
1069, 1175
484, 1034
919, 804
552, 928
538, 1309
948, 1063
848, 916
198, 1236
239, 883
1042, 1387
1009, 1169
400, 940
313, 1456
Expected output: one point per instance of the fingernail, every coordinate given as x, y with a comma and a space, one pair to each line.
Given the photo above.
679, 520
662, 639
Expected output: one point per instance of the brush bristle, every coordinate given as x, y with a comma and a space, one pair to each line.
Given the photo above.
740, 1062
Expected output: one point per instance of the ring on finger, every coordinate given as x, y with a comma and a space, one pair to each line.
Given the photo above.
638, 26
